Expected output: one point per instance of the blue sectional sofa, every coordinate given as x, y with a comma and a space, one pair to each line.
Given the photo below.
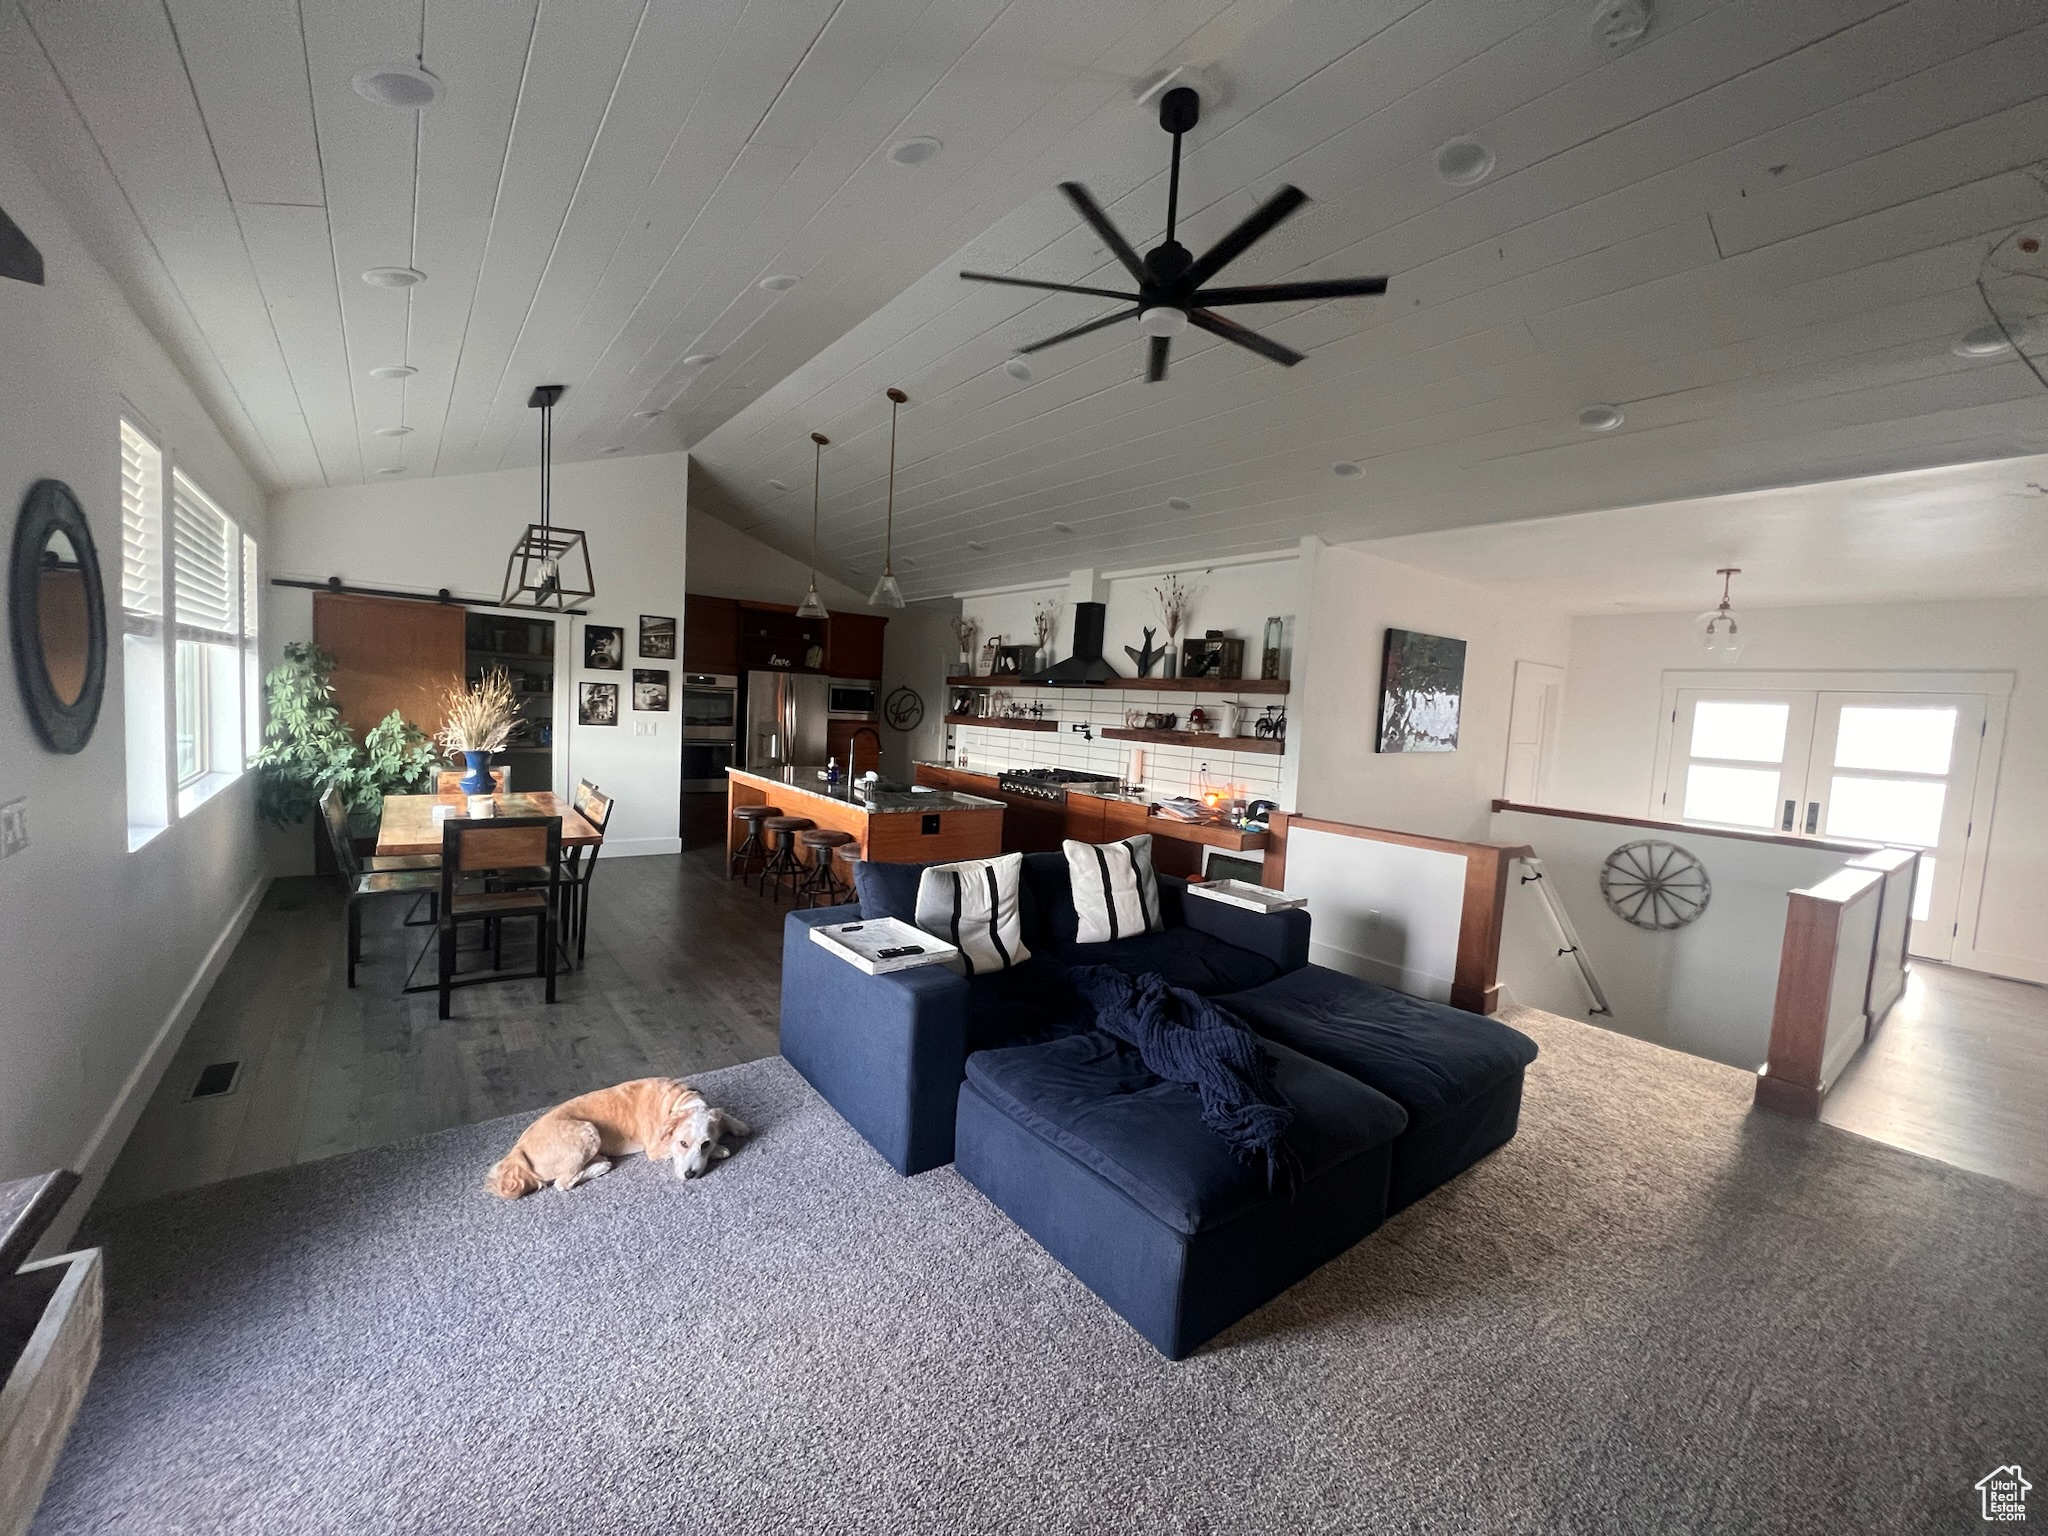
1110, 1168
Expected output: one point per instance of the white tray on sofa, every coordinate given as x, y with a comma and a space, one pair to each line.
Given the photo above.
858, 945
1242, 893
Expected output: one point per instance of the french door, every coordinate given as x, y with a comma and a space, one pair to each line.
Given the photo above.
1892, 768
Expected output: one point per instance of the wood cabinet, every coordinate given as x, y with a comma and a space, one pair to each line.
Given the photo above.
711, 634
853, 645
1086, 821
774, 639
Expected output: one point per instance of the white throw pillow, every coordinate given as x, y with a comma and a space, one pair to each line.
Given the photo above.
1116, 893
972, 905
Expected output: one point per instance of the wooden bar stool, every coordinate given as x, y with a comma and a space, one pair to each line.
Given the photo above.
780, 832
750, 816
819, 886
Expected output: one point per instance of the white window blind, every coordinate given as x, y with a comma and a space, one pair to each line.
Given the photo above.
142, 529
204, 544
249, 588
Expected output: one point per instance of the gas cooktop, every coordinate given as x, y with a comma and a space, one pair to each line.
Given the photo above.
1051, 783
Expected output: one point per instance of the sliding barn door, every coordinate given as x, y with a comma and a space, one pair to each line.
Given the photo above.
390, 654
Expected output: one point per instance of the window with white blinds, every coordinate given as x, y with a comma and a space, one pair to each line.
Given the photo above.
142, 528
205, 583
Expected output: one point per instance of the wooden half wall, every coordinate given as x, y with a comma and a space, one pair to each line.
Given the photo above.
1422, 914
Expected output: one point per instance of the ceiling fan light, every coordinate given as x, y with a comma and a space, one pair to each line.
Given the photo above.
1163, 320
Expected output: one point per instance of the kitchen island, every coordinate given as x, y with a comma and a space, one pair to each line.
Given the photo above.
889, 827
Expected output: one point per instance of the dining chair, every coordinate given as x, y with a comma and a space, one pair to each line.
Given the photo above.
475, 850
360, 883
595, 808
449, 780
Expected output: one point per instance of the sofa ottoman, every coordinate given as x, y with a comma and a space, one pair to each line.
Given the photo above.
1458, 1075
1112, 1172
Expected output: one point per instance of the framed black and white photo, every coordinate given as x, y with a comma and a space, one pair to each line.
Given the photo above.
604, 647
597, 703
1422, 692
657, 637
650, 689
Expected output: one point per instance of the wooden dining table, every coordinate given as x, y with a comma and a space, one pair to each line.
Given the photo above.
409, 827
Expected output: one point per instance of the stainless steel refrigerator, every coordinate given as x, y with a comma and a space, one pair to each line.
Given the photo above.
785, 720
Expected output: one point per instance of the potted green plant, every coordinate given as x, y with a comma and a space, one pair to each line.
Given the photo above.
308, 746
477, 721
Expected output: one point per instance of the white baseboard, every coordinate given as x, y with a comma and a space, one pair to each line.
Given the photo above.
640, 847
96, 1159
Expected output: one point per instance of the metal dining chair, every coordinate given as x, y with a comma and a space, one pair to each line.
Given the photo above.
595, 808
362, 881
476, 850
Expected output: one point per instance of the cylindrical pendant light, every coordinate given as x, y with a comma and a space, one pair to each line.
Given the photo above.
1721, 634
887, 594
813, 606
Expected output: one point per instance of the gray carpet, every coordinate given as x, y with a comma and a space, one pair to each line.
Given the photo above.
1652, 1312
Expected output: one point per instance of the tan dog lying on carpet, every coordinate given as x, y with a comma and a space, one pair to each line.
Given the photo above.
573, 1143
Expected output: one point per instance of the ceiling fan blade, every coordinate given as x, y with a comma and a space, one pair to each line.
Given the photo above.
1026, 282
1085, 204
1230, 330
1080, 330
1289, 293
1256, 225
1155, 365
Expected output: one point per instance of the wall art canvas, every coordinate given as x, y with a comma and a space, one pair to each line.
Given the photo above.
657, 637
604, 647
1422, 688
597, 703
650, 688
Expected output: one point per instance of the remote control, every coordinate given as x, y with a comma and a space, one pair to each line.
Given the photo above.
901, 950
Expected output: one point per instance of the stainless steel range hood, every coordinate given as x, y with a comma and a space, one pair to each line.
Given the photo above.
1085, 667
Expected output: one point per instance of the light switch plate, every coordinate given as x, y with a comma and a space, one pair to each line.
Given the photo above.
644, 727
13, 828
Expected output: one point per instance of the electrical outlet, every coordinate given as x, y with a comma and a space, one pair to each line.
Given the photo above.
645, 727
13, 828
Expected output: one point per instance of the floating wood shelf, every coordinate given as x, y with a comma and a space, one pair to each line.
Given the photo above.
1138, 684
1197, 739
995, 723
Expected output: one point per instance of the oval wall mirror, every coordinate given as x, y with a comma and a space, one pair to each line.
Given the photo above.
59, 617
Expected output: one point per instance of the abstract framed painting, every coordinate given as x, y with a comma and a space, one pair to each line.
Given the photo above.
1422, 691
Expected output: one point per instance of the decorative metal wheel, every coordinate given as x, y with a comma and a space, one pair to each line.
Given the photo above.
904, 709
1655, 885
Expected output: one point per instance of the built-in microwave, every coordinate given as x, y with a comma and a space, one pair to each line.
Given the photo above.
848, 699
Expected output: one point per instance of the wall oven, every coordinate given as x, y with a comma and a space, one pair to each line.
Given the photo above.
851, 699
709, 705
704, 765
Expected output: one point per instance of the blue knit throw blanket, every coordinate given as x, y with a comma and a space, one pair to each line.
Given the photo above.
1184, 1038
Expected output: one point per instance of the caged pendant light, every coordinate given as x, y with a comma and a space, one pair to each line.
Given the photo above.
549, 566
887, 594
1721, 635
813, 606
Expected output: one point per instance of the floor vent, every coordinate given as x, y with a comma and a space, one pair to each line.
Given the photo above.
217, 1080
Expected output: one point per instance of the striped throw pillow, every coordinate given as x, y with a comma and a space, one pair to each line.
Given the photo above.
1116, 893
972, 905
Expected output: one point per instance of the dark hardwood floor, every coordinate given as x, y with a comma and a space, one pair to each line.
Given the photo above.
683, 976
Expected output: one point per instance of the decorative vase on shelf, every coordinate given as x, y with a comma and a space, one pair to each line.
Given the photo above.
478, 780
1169, 664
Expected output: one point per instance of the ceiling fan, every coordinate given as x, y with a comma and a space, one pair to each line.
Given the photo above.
1171, 296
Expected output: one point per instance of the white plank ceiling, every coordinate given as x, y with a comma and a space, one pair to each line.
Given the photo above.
1758, 232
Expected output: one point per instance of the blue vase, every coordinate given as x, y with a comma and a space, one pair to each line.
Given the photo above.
478, 780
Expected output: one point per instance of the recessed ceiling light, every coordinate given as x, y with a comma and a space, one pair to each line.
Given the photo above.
1180, 504
1062, 527
1600, 418
1618, 25
914, 151
615, 448
394, 431
645, 415
778, 485
392, 469
1984, 341
393, 371
699, 359
976, 544
1017, 368
777, 282
394, 277
1345, 470
1463, 162
405, 86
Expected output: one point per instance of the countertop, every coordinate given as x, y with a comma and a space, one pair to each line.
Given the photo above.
809, 781
1221, 834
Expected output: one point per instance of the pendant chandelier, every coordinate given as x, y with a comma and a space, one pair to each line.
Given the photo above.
887, 594
550, 566
1720, 634
813, 606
